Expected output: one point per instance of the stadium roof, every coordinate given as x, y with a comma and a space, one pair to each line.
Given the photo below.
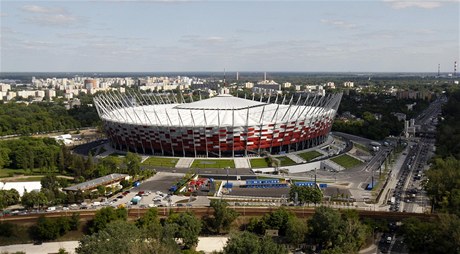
92, 184
21, 187
221, 102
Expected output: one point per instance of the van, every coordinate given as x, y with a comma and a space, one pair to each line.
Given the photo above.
51, 209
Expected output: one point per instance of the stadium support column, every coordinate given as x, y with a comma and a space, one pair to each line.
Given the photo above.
182, 127
193, 132
233, 132
169, 130
274, 125
247, 133
261, 128
205, 133
158, 129
218, 132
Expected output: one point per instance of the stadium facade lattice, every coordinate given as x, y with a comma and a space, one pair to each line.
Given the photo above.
221, 126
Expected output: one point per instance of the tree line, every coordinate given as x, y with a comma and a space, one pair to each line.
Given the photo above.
365, 106
328, 231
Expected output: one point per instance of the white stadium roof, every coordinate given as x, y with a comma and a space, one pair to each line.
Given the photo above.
221, 102
222, 110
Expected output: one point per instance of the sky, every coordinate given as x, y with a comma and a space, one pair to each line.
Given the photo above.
183, 36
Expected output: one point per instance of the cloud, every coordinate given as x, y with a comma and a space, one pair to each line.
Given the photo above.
338, 23
40, 9
423, 4
200, 41
45, 16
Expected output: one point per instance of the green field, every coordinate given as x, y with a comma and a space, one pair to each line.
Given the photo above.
160, 162
259, 163
346, 161
285, 161
204, 163
308, 156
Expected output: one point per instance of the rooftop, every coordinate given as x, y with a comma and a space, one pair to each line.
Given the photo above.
221, 102
91, 184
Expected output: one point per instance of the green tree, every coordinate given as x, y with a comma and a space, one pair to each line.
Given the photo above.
246, 242
8, 197
133, 163
185, 226
325, 227
46, 229
125, 238
33, 198
222, 217
106, 215
305, 194
296, 231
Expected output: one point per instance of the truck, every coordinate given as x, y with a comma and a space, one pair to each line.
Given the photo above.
136, 200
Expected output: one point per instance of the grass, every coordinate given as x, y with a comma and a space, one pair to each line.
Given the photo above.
160, 162
308, 156
259, 163
285, 161
204, 163
346, 161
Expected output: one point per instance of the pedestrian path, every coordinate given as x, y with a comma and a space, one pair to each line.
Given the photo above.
184, 163
242, 163
296, 158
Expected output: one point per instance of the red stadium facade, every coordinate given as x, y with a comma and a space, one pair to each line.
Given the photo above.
222, 126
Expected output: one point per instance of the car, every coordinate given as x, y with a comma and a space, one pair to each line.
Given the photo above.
120, 196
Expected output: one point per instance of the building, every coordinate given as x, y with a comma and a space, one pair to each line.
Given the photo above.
112, 180
222, 126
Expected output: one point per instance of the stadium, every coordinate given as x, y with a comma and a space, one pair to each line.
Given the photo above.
221, 126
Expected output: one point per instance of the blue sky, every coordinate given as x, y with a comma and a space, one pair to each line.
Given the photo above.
173, 35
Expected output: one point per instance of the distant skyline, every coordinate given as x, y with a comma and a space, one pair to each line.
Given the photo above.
193, 36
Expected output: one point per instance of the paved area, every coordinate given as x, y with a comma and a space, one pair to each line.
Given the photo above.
242, 163
295, 158
184, 162
161, 181
206, 244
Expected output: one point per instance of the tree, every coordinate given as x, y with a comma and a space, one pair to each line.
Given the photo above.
185, 226
222, 217
122, 237
325, 227
106, 215
33, 198
296, 231
246, 242
8, 197
133, 163
337, 233
46, 229
305, 194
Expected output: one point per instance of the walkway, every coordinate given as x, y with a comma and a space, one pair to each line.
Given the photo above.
184, 162
205, 244
296, 158
242, 163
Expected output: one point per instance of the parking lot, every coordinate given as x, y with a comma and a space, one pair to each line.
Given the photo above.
161, 181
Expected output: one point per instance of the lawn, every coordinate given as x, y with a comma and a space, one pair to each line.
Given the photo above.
346, 161
160, 162
259, 163
285, 161
203, 163
308, 156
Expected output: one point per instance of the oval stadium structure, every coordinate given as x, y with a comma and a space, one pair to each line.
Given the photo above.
221, 126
